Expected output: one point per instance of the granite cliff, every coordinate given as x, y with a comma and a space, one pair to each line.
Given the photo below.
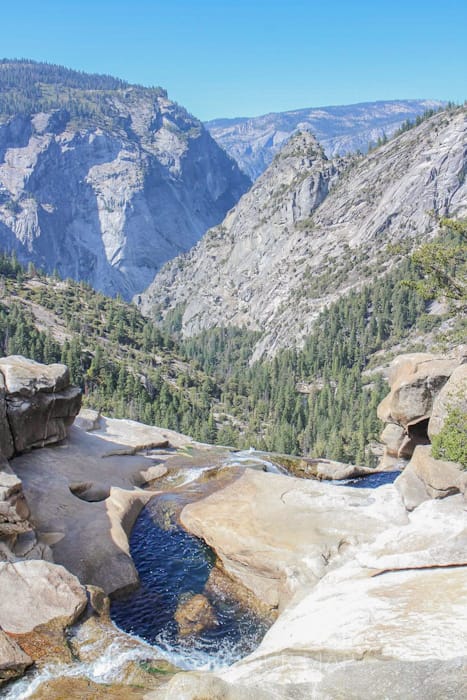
254, 141
101, 180
311, 229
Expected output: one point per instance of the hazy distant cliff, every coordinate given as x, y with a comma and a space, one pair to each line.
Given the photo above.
101, 180
254, 141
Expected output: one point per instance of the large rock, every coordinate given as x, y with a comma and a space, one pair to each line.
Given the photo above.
411, 488
13, 660
194, 615
26, 377
440, 478
83, 499
392, 438
38, 593
453, 395
390, 607
40, 403
277, 534
415, 380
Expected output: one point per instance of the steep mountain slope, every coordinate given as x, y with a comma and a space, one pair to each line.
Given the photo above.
102, 180
287, 250
123, 363
254, 141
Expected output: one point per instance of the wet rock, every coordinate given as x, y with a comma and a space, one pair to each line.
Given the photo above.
198, 686
45, 644
98, 601
194, 615
222, 586
79, 688
13, 660
133, 662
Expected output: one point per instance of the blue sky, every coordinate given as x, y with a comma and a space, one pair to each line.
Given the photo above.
242, 58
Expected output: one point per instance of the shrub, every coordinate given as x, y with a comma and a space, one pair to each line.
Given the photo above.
451, 441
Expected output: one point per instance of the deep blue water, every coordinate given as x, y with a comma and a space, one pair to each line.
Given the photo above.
173, 564
370, 482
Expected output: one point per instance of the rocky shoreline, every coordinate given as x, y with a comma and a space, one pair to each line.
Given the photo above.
370, 585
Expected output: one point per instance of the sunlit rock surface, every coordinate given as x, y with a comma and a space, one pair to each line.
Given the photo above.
109, 200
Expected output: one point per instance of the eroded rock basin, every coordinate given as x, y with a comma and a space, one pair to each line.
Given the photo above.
179, 606
174, 568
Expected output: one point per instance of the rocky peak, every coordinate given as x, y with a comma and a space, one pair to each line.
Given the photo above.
249, 245
254, 141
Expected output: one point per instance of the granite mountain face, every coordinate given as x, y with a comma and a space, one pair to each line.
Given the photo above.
311, 229
254, 141
101, 180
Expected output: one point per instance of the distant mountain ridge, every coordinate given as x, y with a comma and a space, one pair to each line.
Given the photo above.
101, 180
253, 141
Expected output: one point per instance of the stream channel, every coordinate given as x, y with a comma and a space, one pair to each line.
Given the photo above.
173, 565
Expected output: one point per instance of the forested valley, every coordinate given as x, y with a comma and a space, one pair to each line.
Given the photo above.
320, 400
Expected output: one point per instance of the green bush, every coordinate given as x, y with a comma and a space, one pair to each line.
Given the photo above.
451, 441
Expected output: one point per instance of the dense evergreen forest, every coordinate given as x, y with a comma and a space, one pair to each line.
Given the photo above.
125, 365
319, 401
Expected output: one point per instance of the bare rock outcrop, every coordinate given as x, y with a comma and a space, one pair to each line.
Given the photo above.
277, 533
382, 605
424, 388
37, 593
415, 380
254, 141
421, 390
39, 600
40, 403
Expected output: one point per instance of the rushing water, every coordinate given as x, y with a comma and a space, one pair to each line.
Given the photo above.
174, 565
